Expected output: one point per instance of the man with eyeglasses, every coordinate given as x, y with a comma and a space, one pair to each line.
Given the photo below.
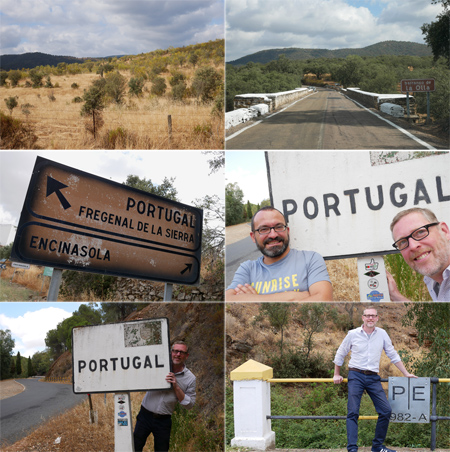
424, 243
157, 406
281, 273
366, 344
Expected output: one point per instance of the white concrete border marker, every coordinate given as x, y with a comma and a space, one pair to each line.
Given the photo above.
410, 135
267, 117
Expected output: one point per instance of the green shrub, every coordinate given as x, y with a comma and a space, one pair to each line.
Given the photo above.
15, 135
158, 86
117, 138
409, 282
179, 91
136, 85
296, 364
11, 103
74, 284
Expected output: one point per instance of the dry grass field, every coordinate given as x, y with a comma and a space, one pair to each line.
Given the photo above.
58, 124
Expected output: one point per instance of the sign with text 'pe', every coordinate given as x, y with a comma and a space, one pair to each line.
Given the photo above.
341, 204
78, 221
409, 399
128, 356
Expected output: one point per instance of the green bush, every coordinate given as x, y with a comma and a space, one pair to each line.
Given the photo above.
296, 364
136, 85
158, 86
207, 82
179, 91
409, 282
16, 135
74, 284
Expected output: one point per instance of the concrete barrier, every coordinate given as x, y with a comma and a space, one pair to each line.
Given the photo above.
374, 100
273, 100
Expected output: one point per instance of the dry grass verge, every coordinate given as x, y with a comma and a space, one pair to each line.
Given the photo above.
75, 431
141, 122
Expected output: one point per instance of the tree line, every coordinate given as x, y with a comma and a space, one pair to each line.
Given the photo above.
236, 211
59, 339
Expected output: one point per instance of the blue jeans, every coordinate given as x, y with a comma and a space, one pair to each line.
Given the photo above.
357, 383
146, 423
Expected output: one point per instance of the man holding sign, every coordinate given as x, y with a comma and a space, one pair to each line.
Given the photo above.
157, 407
424, 243
366, 344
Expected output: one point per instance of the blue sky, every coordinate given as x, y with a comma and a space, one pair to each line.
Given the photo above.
99, 28
254, 25
30, 322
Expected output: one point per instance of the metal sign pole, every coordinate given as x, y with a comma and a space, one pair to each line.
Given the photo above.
168, 289
428, 107
123, 423
407, 103
55, 283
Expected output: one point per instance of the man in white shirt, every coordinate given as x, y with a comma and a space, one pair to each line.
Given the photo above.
366, 344
157, 407
425, 245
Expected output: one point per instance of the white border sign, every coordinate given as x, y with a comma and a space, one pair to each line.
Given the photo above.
341, 204
128, 356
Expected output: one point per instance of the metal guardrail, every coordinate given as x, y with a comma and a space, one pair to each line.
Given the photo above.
433, 418
58, 380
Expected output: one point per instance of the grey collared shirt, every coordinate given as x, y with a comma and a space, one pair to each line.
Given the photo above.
366, 349
164, 401
443, 294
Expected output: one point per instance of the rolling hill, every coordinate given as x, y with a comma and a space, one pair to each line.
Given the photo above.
381, 48
33, 59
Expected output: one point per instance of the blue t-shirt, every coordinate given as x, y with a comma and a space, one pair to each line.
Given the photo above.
297, 271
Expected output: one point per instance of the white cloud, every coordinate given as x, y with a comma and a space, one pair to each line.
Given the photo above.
30, 329
254, 25
84, 28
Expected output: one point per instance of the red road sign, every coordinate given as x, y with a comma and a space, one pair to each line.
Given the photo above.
78, 221
417, 86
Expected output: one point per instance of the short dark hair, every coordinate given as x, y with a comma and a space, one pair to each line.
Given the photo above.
252, 224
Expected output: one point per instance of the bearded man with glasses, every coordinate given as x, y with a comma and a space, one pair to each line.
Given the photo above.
424, 243
157, 406
281, 273
366, 344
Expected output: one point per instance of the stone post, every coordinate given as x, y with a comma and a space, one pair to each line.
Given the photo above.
251, 399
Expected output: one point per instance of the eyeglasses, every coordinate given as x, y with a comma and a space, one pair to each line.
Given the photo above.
417, 235
179, 352
370, 315
264, 230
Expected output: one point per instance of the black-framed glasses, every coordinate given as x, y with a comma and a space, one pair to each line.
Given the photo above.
180, 352
370, 315
418, 234
264, 230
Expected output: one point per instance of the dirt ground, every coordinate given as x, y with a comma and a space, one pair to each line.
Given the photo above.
236, 232
9, 388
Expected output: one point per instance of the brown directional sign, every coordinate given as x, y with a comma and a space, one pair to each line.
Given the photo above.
417, 86
79, 221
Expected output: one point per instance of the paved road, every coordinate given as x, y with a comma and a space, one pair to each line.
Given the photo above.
236, 253
40, 401
325, 120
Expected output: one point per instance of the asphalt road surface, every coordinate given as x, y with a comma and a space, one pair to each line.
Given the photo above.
22, 413
324, 120
236, 253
